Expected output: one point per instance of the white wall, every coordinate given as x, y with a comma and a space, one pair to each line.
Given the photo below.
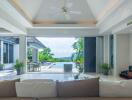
121, 53
16, 52
130, 49
106, 49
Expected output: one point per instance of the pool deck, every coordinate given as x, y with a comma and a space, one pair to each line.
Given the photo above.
48, 69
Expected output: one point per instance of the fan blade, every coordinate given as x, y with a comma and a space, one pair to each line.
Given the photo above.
75, 12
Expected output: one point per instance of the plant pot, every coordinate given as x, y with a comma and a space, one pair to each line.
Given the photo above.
76, 76
18, 72
105, 73
1, 68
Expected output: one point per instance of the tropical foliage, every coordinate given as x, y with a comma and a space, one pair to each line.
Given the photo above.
78, 56
19, 65
105, 68
45, 55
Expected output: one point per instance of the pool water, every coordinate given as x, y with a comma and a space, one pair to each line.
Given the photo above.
61, 64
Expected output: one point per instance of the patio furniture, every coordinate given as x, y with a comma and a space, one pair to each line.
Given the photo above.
33, 67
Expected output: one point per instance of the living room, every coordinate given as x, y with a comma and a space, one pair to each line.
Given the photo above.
105, 27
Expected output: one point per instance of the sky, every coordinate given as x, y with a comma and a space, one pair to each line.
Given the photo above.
60, 47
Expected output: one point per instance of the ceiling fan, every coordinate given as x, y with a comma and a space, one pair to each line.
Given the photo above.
65, 9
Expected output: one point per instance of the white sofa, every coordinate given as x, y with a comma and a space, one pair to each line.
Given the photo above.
46, 90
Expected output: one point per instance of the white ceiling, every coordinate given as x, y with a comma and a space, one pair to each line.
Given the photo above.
101, 7
52, 9
48, 10
30, 7
98, 6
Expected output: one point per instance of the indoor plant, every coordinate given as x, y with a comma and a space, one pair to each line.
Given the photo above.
1, 66
105, 68
19, 67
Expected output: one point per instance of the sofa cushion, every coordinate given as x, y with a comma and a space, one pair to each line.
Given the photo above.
7, 88
85, 98
36, 89
15, 98
78, 88
116, 88
38, 80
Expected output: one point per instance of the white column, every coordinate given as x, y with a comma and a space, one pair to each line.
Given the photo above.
121, 53
115, 55
106, 49
99, 53
35, 55
23, 50
1, 43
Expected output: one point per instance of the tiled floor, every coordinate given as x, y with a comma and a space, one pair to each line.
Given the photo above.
57, 76
10, 74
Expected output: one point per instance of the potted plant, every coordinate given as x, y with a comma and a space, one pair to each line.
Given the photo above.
80, 70
19, 67
105, 68
1, 66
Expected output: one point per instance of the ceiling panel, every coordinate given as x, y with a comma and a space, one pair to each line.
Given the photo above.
101, 7
51, 10
30, 7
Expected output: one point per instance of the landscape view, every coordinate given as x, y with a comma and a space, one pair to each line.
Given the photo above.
59, 51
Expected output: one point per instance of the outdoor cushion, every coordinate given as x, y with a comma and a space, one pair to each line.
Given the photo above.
7, 88
116, 88
36, 89
78, 88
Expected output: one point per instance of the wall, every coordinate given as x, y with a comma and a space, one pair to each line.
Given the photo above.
130, 49
16, 52
121, 53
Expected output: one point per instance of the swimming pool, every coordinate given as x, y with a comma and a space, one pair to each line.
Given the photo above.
61, 64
